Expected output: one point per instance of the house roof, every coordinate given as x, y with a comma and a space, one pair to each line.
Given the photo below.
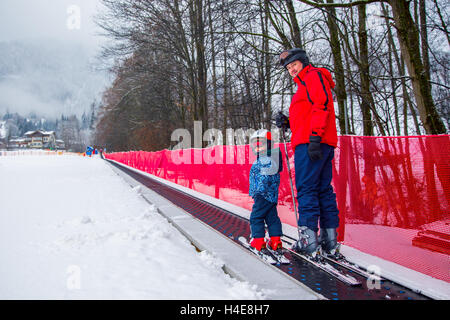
44, 133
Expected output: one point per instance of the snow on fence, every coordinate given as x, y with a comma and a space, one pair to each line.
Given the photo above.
17, 153
393, 193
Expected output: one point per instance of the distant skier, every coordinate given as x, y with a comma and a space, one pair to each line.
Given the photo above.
264, 183
313, 125
89, 150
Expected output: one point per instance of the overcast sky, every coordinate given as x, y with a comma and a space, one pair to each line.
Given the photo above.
53, 66
38, 19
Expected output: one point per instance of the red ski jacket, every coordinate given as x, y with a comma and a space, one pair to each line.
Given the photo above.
312, 109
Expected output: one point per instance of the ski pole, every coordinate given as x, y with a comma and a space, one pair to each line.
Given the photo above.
290, 178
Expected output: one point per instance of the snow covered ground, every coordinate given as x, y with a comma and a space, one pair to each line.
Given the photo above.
70, 228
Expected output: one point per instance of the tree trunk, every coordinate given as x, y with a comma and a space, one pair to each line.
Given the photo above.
424, 38
201, 64
266, 72
338, 68
393, 86
443, 24
407, 104
213, 60
225, 80
408, 37
295, 33
191, 70
364, 72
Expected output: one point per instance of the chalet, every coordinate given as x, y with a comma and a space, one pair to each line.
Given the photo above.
37, 139
40, 139
18, 143
60, 145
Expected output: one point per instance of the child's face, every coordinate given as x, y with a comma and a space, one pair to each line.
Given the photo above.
259, 146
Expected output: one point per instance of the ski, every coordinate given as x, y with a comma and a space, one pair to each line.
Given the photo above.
340, 260
279, 256
319, 262
266, 257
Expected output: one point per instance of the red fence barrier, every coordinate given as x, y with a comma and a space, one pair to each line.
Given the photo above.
393, 192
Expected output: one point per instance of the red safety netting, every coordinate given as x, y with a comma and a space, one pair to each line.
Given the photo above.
393, 193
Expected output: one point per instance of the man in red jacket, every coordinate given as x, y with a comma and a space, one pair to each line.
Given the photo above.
314, 137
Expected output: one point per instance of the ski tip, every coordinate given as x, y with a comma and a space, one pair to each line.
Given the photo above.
243, 240
357, 284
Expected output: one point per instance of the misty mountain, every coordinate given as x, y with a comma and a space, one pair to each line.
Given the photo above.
48, 77
15, 125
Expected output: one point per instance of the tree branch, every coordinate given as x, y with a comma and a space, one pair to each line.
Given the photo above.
339, 5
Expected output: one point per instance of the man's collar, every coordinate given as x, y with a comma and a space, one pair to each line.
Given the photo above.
301, 74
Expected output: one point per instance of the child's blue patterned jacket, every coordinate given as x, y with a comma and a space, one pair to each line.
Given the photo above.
265, 176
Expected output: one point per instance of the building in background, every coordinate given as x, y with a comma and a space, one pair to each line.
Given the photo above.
40, 139
60, 145
37, 139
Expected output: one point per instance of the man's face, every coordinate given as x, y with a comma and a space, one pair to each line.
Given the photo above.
294, 68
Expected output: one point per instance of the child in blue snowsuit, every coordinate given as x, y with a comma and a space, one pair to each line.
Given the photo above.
264, 183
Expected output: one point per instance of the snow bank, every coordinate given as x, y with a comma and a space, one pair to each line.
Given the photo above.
70, 228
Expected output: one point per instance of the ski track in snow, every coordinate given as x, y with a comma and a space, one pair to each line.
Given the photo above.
70, 228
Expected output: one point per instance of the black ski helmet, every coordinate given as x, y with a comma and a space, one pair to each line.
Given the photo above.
293, 54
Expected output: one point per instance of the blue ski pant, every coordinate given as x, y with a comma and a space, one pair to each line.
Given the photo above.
315, 195
264, 212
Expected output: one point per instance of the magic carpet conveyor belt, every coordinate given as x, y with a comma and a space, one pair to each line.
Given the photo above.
234, 226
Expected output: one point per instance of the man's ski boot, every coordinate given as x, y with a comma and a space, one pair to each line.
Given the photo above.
307, 243
275, 246
328, 241
258, 246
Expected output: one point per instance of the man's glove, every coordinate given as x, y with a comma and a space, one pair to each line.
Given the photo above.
314, 151
282, 121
